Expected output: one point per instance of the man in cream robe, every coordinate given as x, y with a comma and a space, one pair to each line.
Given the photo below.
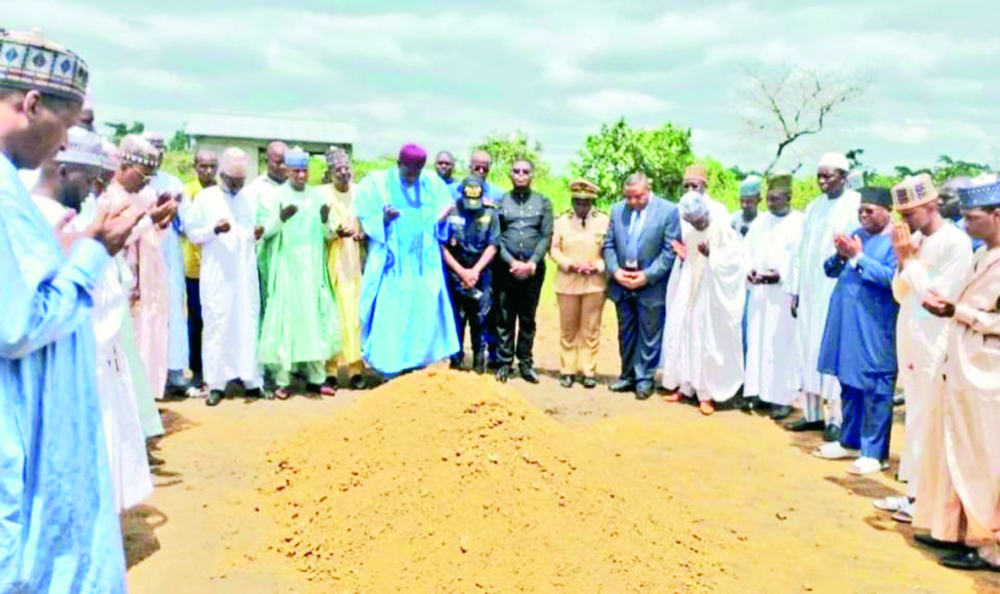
937, 256
770, 246
836, 211
703, 337
222, 223
959, 497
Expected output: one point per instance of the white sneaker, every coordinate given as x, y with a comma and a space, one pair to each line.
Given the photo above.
835, 451
892, 504
863, 466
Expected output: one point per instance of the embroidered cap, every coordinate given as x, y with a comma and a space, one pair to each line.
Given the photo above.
29, 61
136, 150
983, 190
914, 191
296, 158
750, 187
83, 147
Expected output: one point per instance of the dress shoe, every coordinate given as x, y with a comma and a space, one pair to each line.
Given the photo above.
255, 394
780, 413
804, 425
749, 403
528, 374
968, 560
589, 383
456, 363
622, 385
479, 363
566, 381
358, 382
503, 373
643, 391
928, 540
214, 398
831, 433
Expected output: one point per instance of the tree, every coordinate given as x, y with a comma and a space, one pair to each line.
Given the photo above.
797, 102
610, 156
121, 129
180, 141
507, 148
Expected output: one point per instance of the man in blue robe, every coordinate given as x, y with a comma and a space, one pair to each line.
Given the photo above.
407, 321
859, 340
59, 529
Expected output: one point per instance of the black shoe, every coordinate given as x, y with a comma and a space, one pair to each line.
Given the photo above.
968, 560
780, 413
804, 425
749, 403
214, 397
358, 382
503, 373
643, 391
479, 363
255, 394
566, 381
529, 374
928, 540
831, 433
456, 362
622, 385
589, 383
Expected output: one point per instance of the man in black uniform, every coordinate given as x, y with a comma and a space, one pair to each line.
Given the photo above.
468, 249
525, 235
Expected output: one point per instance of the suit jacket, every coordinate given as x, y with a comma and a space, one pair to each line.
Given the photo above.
656, 257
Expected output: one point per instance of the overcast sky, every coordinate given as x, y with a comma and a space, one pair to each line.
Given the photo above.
445, 73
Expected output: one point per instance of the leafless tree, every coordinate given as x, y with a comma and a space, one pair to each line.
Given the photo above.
797, 102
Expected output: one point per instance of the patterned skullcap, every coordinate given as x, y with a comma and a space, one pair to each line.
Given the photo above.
583, 189
750, 187
693, 206
983, 190
835, 161
296, 157
29, 61
337, 156
83, 147
781, 182
914, 191
696, 172
137, 150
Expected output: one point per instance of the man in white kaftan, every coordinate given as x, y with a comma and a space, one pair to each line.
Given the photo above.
222, 223
936, 257
770, 246
703, 336
836, 211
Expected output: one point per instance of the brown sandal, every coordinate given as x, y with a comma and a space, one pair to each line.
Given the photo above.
282, 394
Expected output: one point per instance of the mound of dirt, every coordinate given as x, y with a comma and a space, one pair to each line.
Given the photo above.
447, 482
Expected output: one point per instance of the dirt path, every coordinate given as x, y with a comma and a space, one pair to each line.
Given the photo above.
791, 523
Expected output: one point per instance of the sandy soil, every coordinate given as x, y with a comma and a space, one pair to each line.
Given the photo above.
782, 520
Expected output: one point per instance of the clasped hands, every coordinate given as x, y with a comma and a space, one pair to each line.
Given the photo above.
631, 279
584, 268
937, 305
848, 246
768, 277
522, 270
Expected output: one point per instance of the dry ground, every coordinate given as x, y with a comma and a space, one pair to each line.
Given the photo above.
801, 524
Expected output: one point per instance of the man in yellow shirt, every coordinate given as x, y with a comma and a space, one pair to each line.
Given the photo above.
206, 165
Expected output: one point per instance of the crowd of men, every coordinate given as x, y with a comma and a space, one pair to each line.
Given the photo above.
125, 286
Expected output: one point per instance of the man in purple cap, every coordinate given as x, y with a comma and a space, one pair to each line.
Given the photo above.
406, 314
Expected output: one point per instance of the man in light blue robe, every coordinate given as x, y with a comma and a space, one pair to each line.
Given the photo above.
859, 341
59, 529
406, 314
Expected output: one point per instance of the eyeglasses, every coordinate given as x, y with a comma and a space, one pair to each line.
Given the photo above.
145, 178
479, 167
521, 171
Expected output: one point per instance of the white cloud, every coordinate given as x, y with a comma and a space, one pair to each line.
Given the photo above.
153, 79
905, 132
611, 104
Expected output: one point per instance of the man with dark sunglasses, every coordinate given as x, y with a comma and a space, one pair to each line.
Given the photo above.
525, 235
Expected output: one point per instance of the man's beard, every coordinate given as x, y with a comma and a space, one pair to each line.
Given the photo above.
71, 197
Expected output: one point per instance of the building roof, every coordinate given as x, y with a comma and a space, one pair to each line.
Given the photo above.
270, 128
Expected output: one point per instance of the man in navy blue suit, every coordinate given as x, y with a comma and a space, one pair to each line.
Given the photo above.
638, 257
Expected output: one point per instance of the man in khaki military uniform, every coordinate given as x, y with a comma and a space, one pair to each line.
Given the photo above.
580, 283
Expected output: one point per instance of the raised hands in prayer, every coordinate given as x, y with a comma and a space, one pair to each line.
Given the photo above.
390, 214
288, 212
935, 303
111, 228
258, 232
704, 249
222, 226
847, 246
679, 248
902, 242
165, 210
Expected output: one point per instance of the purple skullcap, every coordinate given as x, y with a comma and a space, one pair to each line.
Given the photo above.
412, 155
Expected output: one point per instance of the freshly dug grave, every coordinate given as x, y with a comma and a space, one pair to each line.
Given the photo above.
448, 482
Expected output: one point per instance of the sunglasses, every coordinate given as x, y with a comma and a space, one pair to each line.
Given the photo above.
521, 171
480, 167
867, 210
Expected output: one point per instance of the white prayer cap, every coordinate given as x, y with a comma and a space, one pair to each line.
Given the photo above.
233, 162
835, 161
693, 206
111, 160
83, 147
